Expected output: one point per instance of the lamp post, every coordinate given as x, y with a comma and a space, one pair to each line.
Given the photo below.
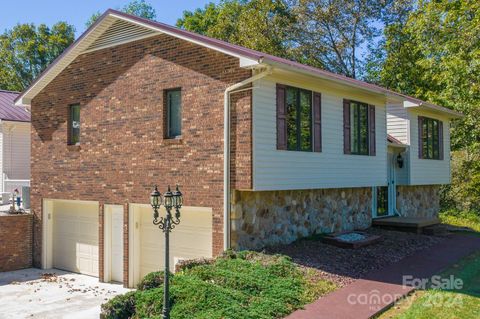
171, 200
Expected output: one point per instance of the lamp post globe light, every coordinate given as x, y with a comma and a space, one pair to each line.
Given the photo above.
170, 200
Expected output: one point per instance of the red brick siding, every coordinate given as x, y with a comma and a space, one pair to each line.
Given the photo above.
15, 242
122, 151
241, 141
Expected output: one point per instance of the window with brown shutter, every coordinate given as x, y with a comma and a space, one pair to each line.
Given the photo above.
358, 128
430, 138
281, 118
298, 119
317, 122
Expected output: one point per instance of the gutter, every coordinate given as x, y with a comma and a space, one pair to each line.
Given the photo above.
226, 150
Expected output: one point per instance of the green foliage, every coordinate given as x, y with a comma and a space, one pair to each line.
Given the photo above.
120, 307
462, 219
262, 25
435, 55
140, 8
236, 285
26, 50
152, 280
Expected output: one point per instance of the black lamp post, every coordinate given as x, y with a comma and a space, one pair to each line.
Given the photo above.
171, 200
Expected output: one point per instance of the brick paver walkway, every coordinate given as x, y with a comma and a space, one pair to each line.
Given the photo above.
366, 297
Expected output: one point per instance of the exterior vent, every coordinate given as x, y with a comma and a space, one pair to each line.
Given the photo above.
120, 32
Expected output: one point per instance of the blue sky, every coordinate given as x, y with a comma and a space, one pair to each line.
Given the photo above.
78, 12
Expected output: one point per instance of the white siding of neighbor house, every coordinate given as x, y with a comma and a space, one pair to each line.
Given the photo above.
283, 170
427, 171
397, 122
16, 150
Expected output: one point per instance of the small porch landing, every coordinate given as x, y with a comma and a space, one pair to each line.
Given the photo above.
409, 224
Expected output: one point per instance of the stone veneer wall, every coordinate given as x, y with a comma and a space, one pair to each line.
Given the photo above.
418, 201
280, 217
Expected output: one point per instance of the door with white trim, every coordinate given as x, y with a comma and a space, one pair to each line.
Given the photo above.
114, 243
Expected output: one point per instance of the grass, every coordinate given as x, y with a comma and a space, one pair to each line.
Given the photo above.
463, 303
469, 220
237, 285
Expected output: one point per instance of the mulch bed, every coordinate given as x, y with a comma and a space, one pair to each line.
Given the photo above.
343, 266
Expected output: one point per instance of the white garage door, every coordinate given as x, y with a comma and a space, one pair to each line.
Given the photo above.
75, 237
191, 239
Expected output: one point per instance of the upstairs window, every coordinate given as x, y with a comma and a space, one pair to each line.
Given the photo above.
174, 113
358, 128
430, 138
298, 119
74, 125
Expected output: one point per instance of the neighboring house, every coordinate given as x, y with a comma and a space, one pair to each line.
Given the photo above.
134, 103
14, 143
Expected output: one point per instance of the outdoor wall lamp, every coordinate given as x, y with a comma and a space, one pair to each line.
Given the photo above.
171, 200
400, 160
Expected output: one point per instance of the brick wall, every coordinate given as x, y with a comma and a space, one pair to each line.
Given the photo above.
123, 151
15, 242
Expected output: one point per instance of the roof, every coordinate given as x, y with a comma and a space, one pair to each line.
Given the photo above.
9, 111
395, 142
86, 40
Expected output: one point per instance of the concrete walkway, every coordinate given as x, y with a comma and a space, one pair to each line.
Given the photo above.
366, 297
29, 293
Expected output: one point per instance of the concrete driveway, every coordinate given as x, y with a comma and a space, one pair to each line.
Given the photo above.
38, 293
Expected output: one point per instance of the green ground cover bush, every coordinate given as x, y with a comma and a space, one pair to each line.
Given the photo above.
236, 285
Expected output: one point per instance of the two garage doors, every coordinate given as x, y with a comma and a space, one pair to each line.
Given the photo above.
71, 239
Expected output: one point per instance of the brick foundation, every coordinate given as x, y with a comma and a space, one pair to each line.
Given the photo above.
15, 241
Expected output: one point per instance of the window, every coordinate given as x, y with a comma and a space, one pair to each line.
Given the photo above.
431, 138
74, 125
358, 128
299, 119
174, 113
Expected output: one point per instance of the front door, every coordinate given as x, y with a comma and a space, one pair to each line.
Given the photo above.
392, 184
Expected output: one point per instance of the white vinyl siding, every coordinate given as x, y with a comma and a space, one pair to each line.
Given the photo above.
428, 171
16, 150
397, 122
282, 170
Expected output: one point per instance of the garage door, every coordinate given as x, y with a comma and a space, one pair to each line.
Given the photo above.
75, 237
191, 239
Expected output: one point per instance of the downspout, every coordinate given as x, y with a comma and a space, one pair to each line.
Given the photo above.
226, 150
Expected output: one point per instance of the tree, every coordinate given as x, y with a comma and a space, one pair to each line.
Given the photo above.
330, 34
435, 56
338, 35
26, 50
262, 25
139, 8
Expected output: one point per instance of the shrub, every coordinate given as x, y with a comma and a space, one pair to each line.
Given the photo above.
119, 307
152, 280
237, 285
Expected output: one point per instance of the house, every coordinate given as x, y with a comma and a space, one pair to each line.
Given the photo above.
14, 144
265, 150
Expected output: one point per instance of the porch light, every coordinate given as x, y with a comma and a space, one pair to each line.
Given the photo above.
400, 160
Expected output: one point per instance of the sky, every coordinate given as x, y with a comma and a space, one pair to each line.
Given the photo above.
78, 12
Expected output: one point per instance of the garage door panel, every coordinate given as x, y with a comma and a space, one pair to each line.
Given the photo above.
192, 238
75, 237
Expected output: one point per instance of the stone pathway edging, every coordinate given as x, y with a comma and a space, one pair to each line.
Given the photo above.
369, 296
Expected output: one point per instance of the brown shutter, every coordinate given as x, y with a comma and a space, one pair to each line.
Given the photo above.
371, 131
440, 140
420, 136
346, 127
317, 122
281, 118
